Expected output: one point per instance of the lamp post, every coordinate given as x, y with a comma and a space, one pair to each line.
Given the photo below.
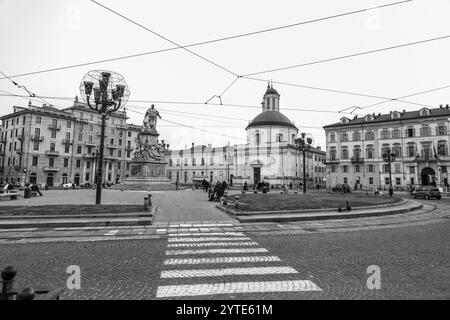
110, 93
303, 144
389, 157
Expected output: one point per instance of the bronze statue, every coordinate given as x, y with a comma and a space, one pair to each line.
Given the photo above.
151, 118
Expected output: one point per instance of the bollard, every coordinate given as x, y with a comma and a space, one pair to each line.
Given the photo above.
146, 203
150, 200
26, 294
7, 275
236, 202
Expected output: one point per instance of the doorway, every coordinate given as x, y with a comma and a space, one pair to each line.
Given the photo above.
256, 175
428, 176
50, 179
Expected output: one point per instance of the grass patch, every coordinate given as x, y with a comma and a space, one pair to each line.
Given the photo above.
274, 202
68, 209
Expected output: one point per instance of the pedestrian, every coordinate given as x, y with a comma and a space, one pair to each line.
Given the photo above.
391, 191
35, 188
377, 192
245, 185
177, 184
318, 187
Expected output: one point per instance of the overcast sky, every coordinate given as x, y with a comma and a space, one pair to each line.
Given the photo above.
38, 35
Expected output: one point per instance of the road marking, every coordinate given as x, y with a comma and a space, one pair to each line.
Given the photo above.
235, 287
211, 260
213, 244
209, 251
193, 273
231, 234
190, 239
111, 233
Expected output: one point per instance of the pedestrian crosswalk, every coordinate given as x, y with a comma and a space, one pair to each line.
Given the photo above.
211, 264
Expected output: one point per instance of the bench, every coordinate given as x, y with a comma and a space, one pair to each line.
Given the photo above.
12, 195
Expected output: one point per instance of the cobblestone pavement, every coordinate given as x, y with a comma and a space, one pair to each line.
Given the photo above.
414, 263
227, 260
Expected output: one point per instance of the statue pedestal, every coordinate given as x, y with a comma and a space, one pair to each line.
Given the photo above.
148, 175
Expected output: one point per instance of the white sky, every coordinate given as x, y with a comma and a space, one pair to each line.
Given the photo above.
36, 35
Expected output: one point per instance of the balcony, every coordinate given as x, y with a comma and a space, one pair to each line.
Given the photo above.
52, 153
19, 137
19, 151
67, 141
332, 161
427, 158
3, 140
83, 120
113, 146
121, 126
37, 138
129, 148
90, 144
51, 169
357, 160
53, 127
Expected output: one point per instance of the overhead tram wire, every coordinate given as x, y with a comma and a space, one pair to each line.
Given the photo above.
195, 128
163, 37
334, 91
31, 94
206, 42
203, 104
407, 96
346, 56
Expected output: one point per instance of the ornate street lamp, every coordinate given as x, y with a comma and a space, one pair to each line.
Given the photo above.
303, 144
104, 92
389, 157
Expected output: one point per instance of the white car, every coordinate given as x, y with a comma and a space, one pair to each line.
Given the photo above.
67, 186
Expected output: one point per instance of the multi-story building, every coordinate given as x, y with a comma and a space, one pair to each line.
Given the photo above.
419, 139
48, 146
270, 154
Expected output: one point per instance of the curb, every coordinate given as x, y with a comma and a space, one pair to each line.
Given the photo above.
138, 221
282, 216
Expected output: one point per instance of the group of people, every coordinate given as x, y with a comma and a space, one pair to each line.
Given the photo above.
33, 186
217, 191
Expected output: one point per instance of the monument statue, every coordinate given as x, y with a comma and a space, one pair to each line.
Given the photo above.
148, 164
151, 118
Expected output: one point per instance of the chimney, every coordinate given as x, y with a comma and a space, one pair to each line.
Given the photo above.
441, 105
404, 111
379, 114
192, 144
446, 106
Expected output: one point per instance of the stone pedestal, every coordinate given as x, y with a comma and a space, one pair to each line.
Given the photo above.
148, 169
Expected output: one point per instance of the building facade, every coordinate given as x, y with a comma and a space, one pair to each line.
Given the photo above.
419, 139
48, 146
270, 154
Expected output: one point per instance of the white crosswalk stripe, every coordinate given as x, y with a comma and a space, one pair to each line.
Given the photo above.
201, 239
209, 251
225, 272
213, 244
205, 289
213, 260
204, 259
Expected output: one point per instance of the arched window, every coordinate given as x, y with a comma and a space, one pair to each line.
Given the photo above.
64, 178
76, 179
33, 177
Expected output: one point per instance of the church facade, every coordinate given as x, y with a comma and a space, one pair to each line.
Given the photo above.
270, 154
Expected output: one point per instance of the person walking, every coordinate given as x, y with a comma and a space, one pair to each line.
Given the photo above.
35, 188
177, 184
318, 187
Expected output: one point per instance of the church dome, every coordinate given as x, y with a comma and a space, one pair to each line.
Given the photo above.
272, 118
271, 90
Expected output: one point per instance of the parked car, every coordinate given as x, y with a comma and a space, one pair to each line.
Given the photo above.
344, 188
427, 193
67, 185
